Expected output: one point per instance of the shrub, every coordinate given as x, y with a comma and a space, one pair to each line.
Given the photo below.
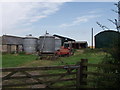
111, 58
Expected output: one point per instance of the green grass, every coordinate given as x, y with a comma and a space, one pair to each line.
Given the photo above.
93, 56
15, 60
0, 60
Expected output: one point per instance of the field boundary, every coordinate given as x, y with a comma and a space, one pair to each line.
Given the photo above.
80, 72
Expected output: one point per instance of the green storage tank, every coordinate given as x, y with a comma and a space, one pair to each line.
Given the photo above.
106, 39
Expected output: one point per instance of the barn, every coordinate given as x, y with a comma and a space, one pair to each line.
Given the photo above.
77, 44
11, 44
64, 39
106, 39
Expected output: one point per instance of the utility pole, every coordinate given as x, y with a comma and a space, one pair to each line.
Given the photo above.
118, 16
92, 39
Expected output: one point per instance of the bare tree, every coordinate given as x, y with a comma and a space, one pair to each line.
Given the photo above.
102, 26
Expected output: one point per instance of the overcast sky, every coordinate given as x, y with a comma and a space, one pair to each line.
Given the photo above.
71, 19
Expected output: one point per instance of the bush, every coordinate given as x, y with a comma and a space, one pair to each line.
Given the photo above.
111, 58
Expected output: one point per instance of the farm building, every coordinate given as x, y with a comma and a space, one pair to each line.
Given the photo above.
0, 44
106, 39
11, 44
77, 44
30, 44
64, 39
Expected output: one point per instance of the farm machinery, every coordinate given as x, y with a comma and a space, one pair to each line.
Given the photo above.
50, 47
64, 51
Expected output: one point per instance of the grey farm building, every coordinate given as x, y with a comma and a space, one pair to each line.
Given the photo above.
29, 44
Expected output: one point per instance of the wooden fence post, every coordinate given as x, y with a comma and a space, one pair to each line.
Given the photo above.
80, 75
83, 68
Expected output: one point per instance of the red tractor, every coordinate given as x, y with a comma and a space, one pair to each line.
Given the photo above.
64, 51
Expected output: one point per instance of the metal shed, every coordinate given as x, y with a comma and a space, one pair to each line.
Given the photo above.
64, 39
14, 40
77, 44
11, 43
106, 39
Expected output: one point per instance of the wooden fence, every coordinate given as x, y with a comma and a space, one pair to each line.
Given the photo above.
76, 75
63, 75
96, 73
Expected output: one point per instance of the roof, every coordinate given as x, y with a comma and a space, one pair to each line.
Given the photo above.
77, 42
107, 39
107, 31
13, 40
29, 37
57, 38
69, 39
11, 36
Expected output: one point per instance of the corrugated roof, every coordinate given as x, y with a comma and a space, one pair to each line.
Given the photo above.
69, 39
11, 36
13, 40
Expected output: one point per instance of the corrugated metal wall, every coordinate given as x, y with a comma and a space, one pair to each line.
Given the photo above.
11, 40
106, 39
10, 44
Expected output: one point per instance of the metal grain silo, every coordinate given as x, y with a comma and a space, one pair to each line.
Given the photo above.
106, 39
58, 43
46, 43
29, 44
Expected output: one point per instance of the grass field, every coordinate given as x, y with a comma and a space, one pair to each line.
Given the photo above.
15, 60
0, 60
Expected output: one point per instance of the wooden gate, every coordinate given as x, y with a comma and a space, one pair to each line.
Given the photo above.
50, 76
76, 76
